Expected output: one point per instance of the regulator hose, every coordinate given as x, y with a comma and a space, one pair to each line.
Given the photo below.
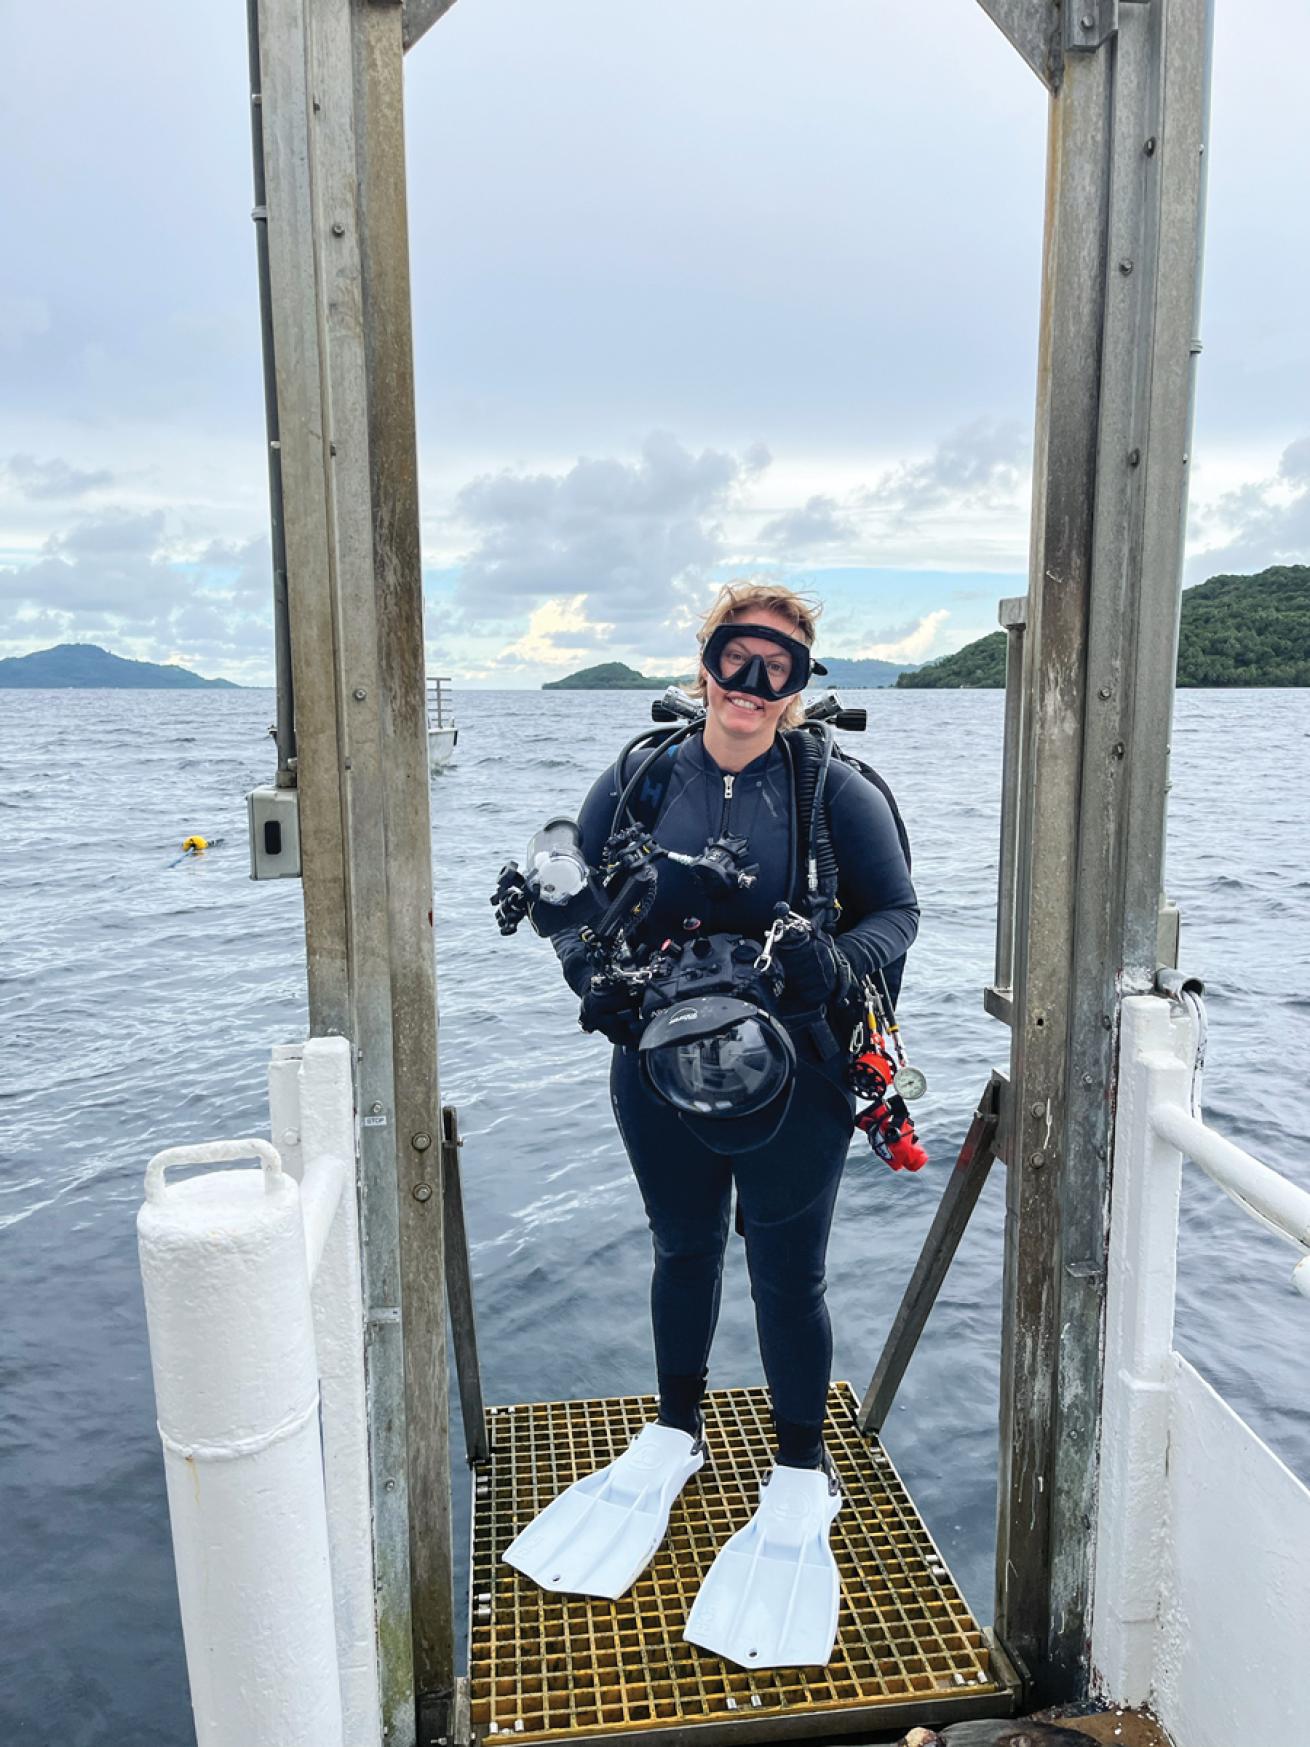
811, 769
667, 738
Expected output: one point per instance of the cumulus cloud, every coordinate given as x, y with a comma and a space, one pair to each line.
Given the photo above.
559, 634
121, 579
912, 642
1261, 522
963, 503
819, 522
625, 538
981, 466
55, 478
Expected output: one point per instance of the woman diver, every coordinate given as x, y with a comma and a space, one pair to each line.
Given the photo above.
733, 785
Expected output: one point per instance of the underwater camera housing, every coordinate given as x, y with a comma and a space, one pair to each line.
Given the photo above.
713, 1047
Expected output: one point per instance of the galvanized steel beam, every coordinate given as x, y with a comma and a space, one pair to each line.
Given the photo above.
339, 279
406, 799
1013, 615
1114, 409
459, 1293
420, 16
959, 1198
1063, 492
286, 704
342, 224
1141, 492
1033, 26
1088, 24
309, 137
293, 290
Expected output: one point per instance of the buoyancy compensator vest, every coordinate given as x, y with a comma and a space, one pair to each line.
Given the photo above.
810, 749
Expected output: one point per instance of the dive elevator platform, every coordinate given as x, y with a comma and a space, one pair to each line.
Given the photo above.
547, 1667
1081, 925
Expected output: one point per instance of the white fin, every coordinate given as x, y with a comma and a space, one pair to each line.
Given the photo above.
600, 1535
771, 1597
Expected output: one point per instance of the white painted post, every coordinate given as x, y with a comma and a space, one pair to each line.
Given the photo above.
284, 1106
232, 1351
325, 1124
1155, 1054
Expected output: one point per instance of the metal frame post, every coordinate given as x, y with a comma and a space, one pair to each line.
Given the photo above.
1116, 355
406, 798
420, 16
285, 727
999, 998
332, 134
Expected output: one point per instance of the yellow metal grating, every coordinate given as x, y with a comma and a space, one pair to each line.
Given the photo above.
544, 1666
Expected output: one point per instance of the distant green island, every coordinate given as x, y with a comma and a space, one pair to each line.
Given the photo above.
980, 664
86, 664
1234, 631
612, 676
609, 676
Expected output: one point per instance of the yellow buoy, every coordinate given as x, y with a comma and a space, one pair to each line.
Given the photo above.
194, 845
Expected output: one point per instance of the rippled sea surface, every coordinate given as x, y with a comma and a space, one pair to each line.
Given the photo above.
138, 1001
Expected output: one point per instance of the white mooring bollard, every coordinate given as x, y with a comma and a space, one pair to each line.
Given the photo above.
232, 1350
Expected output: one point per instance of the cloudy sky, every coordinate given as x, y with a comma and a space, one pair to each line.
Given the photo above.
716, 288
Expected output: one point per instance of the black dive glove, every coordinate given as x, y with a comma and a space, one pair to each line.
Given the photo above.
575, 961
816, 972
611, 1012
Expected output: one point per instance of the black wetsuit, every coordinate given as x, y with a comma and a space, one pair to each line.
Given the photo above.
786, 1190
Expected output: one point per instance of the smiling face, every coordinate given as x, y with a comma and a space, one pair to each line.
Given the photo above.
735, 723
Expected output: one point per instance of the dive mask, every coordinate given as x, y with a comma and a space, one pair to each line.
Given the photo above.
760, 676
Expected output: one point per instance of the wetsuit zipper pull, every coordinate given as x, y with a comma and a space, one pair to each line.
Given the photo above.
728, 780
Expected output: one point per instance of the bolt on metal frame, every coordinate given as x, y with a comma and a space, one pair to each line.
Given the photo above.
1086, 741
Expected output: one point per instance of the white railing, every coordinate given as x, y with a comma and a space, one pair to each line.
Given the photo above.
1202, 1594
1280, 1206
255, 1317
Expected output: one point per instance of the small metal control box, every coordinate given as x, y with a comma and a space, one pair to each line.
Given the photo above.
274, 816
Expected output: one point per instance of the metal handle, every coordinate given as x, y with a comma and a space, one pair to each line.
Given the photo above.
213, 1152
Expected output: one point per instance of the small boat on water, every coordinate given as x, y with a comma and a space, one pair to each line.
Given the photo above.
443, 735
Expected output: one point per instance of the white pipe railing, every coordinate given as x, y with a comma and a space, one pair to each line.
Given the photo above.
255, 1317
1201, 1600
1280, 1206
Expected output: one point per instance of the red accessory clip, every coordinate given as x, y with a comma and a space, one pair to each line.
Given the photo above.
890, 1130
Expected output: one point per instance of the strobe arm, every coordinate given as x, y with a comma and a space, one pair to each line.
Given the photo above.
510, 898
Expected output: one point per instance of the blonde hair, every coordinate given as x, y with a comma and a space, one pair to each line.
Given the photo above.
741, 599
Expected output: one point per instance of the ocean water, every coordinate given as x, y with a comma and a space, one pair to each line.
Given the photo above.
138, 1001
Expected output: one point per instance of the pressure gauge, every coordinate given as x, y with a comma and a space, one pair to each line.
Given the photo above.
911, 1083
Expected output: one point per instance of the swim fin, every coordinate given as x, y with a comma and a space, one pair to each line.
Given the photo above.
771, 1597
600, 1534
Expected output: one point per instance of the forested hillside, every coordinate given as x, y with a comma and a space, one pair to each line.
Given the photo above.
1235, 630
